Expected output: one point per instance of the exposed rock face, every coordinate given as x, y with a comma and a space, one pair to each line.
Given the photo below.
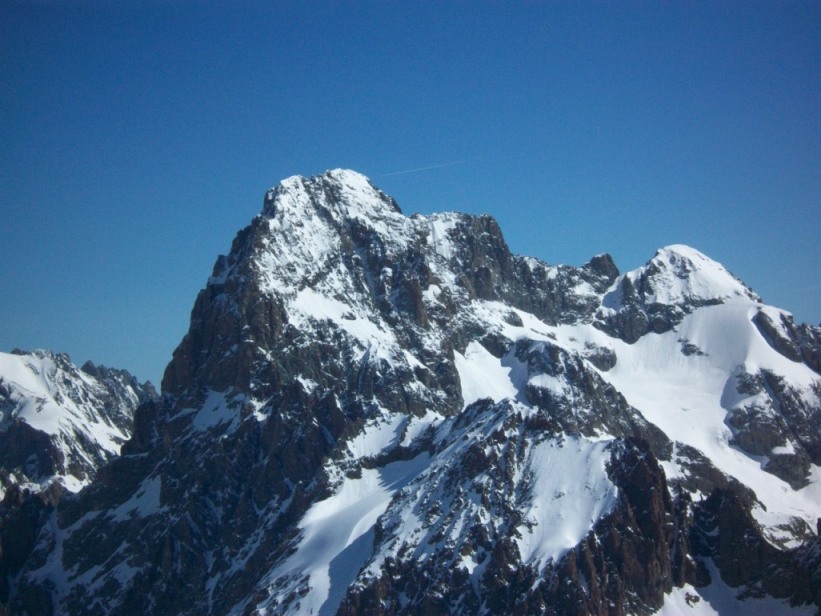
774, 420
800, 343
22, 515
622, 565
380, 414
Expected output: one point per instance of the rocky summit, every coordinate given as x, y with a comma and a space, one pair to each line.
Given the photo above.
374, 413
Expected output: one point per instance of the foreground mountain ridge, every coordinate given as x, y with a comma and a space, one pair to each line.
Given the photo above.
380, 414
59, 422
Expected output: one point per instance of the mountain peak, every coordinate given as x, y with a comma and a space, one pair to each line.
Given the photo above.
681, 274
657, 296
348, 176
350, 193
374, 413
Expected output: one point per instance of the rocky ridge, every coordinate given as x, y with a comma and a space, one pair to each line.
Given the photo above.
60, 423
380, 414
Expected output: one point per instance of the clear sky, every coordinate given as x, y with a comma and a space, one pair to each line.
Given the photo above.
136, 139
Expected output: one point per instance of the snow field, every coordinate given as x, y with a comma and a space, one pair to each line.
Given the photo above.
687, 397
337, 535
483, 376
571, 492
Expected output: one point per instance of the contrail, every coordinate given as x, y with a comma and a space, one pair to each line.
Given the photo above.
429, 167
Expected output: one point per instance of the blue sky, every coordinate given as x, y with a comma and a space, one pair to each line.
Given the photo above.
136, 139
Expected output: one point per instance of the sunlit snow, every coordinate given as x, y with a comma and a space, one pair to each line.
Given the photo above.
61, 405
337, 533
718, 599
482, 375
571, 491
686, 396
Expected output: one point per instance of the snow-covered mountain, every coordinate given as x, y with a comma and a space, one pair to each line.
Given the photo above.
380, 414
60, 423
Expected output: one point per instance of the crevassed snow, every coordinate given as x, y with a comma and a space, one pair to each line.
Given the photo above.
571, 491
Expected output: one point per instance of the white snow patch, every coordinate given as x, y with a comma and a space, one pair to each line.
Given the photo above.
558, 386
214, 411
71, 483
53, 396
308, 385
417, 426
688, 397
439, 238
786, 449
377, 435
718, 599
43, 403
571, 491
337, 534
483, 376
311, 304
145, 501
431, 294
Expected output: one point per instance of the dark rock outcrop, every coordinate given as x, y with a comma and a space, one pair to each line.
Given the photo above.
800, 343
